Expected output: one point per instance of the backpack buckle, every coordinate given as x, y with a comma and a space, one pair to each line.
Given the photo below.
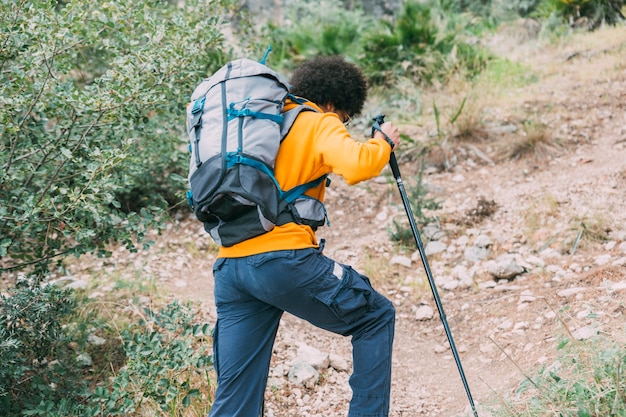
198, 105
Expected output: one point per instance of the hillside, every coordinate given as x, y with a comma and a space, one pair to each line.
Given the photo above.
559, 213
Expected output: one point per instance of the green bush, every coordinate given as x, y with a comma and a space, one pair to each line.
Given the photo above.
167, 367
587, 380
314, 28
43, 337
525, 7
37, 362
424, 43
475, 7
588, 13
92, 99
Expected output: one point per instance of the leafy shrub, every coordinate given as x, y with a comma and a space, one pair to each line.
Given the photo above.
589, 13
476, 7
526, 7
92, 99
167, 366
37, 363
587, 380
424, 43
315, 28
166, 359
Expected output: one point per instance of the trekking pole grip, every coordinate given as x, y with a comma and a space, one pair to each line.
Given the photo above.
376, 126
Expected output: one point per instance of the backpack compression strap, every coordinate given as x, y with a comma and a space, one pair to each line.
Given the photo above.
286, 215
196, 124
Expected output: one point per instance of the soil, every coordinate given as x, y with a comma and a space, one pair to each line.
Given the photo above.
559, 208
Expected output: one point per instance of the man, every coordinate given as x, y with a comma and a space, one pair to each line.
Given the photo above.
285, 269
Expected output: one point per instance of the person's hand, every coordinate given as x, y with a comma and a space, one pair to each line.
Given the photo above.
392, 133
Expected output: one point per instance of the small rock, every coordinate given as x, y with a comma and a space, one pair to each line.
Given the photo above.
505, 324
303, 374
424, 312
483, 241
446, 282
434, 246
619, 286
440, 348
585, 333
463, 275
619, 262
475, 254
506, 267
339, 363
84, 360
536, 261
311, 356
602, 259
95, 340
383, 215
571, 291
487, 284
527, 297
401, 260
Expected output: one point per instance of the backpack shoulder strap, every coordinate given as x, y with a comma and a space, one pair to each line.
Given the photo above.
289, 117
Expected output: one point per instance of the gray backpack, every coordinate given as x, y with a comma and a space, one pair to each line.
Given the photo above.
235, 123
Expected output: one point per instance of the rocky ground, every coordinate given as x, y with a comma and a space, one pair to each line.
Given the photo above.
524, 251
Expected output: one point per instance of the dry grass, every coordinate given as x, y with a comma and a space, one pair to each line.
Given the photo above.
536, 141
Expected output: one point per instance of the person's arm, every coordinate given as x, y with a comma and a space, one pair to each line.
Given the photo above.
353, 160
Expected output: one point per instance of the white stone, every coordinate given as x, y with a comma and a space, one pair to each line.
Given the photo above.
483, 241
424, 312
602, 259
585, 333
619, 262
536, 261
303, 374
312, 356
571, 291
434, 246
339, 363
401, 260
95, 340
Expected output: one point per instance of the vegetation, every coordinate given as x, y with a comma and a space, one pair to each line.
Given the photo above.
91, 96
92, 155
47, 368
401, 231
582, 13
587, 379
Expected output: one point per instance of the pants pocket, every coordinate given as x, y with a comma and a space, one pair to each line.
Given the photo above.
348, 296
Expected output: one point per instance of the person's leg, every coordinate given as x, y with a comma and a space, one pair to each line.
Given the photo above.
242, 344
336, 298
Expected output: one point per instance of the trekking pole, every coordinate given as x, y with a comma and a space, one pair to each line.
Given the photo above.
378, 121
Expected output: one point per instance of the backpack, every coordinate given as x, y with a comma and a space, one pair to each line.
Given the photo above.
235, 123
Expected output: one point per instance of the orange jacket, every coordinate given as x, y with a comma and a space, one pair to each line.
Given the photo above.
317, 144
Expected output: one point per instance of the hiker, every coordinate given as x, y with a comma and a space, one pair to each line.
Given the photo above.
285, 269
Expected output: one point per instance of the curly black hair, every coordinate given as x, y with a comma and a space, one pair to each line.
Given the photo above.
331, 80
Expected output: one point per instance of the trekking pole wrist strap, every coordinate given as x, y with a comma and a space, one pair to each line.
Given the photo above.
388, 140
375, 127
